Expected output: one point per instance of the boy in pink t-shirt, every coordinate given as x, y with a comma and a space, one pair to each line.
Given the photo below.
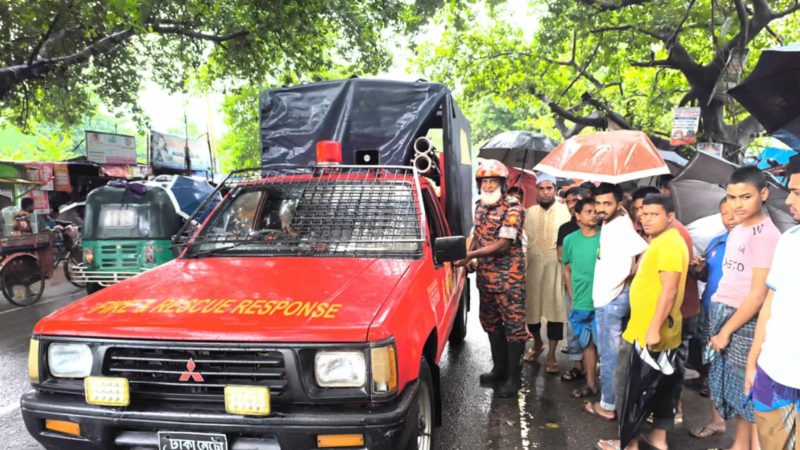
748, 247
734, 308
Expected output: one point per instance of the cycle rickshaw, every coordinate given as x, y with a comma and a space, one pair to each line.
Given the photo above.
26, 259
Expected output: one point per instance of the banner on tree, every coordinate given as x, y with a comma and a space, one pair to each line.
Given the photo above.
685, 122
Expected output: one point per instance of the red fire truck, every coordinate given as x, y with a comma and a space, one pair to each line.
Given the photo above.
309, 310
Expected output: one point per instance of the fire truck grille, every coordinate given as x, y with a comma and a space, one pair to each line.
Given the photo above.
195, 373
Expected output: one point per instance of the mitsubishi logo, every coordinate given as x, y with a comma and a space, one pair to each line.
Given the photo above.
190, 366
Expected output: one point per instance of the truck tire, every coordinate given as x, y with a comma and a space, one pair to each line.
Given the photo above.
459, 331
423, 434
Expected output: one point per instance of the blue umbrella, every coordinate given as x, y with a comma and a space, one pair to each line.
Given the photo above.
187, 194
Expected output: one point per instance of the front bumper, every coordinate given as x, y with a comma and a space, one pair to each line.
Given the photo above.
80, 273
384, 427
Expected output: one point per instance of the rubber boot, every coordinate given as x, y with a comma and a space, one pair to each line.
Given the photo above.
513, 380
497, 342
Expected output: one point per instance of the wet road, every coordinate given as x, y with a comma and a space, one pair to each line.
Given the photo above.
15, 331
543, 416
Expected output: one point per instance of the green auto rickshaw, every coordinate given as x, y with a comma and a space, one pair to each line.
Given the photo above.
129, 226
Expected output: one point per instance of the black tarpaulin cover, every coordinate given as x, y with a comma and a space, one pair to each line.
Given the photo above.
366, 114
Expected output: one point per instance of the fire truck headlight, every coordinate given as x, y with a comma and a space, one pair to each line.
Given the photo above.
340, 369
69, 360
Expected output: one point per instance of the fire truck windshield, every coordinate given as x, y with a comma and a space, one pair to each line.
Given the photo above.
356, 217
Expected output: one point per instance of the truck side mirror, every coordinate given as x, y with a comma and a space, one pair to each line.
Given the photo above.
448, 249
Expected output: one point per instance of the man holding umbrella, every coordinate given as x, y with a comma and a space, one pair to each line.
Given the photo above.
656, 296
497, 247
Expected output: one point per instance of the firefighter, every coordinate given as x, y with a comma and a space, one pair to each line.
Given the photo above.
496, 252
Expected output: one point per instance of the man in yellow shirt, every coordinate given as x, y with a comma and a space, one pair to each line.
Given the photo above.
656, 297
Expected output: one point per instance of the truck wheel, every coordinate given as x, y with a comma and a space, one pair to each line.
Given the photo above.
459, 331
424, 428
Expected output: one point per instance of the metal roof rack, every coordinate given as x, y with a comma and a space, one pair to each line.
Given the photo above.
332, 211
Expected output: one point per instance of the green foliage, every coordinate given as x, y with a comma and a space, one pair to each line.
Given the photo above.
593, 60
51, 142
58, 60
239, 148
489, 117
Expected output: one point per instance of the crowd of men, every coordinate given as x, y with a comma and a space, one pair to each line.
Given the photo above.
615, 273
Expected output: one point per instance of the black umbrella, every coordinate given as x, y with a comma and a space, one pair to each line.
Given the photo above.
647, 373
522, 149
695, 199
674, 161
771, 92
698, 189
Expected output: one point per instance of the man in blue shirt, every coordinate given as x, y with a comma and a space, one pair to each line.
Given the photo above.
709, 265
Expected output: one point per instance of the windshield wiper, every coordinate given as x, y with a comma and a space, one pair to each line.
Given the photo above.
216, 249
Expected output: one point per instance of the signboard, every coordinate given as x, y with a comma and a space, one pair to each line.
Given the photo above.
40, 201
713, 148
42, 173
135, 172
167, 152
684, 126
61, 177
110, 148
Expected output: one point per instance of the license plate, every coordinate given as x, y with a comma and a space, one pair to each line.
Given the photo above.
171, 440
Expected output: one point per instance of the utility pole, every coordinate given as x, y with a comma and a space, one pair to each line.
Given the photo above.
186, 155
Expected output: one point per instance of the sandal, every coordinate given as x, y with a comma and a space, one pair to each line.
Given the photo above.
585, 391
592, 408
573, 375
533, 354
706, 431
607, 444
553, 369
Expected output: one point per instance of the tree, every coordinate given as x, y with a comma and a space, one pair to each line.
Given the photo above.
620, 63
240, 147
489, 117
45, 146
54, 54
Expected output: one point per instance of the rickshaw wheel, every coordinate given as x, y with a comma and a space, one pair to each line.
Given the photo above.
22, 281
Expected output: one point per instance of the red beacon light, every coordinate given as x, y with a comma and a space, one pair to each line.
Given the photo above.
329, 153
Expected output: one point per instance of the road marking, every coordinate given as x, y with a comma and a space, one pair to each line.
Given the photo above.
45, 302
8, 409
524, 426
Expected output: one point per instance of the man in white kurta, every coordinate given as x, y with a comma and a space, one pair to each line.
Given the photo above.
544, 281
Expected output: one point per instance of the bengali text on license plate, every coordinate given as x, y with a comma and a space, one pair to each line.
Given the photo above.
191, 441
